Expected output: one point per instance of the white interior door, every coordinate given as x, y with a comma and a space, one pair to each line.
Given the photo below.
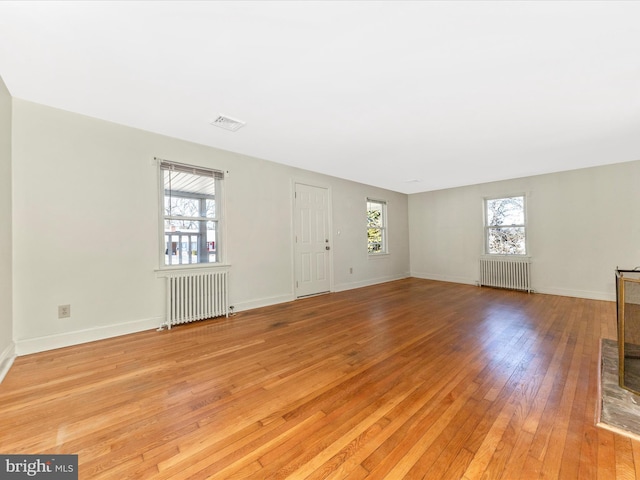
312, 240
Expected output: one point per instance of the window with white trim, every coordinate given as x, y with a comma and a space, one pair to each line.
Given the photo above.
505, 226
376, 226
191, 214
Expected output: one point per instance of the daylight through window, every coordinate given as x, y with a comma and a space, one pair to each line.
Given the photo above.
191, 214
376, 226
505, 226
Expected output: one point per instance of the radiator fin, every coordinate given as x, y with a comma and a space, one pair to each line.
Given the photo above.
196, 296
513, 273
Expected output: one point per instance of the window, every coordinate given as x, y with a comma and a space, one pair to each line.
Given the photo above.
190, 214
505, 227
376, 226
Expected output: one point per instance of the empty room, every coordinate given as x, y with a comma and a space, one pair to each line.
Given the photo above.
346, 240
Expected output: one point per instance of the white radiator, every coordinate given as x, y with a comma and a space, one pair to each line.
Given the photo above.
506, 272
196, 295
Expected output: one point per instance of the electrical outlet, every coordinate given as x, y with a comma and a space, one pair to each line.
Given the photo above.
64, 311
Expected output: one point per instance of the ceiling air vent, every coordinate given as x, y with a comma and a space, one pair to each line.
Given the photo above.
227, 123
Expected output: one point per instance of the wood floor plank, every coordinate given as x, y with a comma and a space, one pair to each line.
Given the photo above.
635, 446
606, 456
553, 456
625, 469
409, 379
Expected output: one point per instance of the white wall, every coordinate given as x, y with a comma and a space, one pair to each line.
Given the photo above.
82, 223
6, 289
85, 225
582, 224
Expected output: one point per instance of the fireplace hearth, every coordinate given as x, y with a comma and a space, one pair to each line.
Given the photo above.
628, 310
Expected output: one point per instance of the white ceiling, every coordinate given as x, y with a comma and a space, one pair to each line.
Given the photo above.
409, 96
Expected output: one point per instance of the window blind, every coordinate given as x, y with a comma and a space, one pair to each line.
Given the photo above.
182, 168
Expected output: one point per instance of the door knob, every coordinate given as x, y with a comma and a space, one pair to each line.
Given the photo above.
327, 247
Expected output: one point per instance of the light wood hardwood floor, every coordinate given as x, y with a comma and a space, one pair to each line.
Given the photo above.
409, 379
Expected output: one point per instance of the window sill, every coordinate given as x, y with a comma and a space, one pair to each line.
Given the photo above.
167, 269
378, 255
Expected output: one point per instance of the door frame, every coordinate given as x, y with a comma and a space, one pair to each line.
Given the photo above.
295, 182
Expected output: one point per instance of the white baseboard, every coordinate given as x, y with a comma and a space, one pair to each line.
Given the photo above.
564, 292
261, 302
367, 283
268, 301
6, 360
50, 342
445, 278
